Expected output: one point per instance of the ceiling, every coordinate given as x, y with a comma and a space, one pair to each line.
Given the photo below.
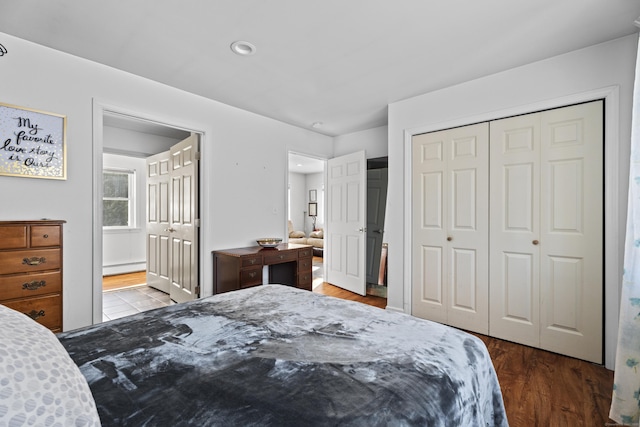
304, 164
336, 62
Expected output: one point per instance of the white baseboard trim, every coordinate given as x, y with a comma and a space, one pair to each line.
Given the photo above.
110, 270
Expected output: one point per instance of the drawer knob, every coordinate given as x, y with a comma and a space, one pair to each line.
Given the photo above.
34, 285
252, 274
34, 260
252, 261
46, 236
35, 315
281, 257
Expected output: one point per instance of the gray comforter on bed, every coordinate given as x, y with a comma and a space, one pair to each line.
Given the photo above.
275, 355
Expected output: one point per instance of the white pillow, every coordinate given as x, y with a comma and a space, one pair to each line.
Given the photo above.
40, 384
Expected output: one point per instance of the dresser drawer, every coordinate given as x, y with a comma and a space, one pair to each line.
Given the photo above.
277, 257
248, 261
307, 252
305, 264
29, 260
44, 310
45, 235
251, 277
29, 285
13, 237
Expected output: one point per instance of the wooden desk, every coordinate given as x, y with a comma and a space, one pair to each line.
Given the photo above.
238, 268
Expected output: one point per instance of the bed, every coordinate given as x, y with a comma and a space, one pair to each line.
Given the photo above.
275, 355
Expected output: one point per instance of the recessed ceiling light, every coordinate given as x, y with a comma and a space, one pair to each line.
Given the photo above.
316, 125
243, 48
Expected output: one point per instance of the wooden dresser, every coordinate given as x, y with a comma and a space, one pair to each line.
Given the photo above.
238, 268
31, 269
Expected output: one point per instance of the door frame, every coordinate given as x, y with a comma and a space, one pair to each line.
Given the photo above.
100, 108
612, 198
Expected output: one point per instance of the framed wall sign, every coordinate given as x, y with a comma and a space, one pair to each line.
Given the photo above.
313, 209
313, 195
32, 143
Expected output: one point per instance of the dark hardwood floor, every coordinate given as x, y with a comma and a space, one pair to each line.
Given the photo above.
539, 388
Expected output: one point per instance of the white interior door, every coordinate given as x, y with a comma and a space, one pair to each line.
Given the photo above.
515, 229
376, 210
547, 230
184, 227
346, 222
172, 223
571, 241
158, 209
450, 227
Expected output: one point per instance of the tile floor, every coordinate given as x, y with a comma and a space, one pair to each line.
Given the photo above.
132, 300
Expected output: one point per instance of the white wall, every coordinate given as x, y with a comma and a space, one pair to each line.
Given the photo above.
243, 167
298, 203
133, 143
606, 68
124, 250
373, 141
315, 181
300, 185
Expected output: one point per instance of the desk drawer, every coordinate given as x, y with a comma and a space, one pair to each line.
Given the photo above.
29, 285
29, 260
45, 235
248, 261
278, 257
44, 310
305, 280
251, 277
304, 265
13, 237
306, 252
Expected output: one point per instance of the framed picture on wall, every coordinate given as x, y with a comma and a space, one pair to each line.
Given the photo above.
313, 194
313, 209
32, 143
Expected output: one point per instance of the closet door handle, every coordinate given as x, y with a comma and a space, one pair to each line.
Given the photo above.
449, 238
535, 242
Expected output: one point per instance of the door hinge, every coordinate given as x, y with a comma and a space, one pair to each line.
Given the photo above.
198, 290
197, 222
198, 155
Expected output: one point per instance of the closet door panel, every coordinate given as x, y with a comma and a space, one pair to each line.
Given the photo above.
450, 219
429, 264
515, 207
572, 231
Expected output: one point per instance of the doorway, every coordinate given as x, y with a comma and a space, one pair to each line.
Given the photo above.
376, 257
125, 138
306, 207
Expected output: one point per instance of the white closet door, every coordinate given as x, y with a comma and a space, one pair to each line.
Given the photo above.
158, 211
571, 238
547, 230
515, 218
450, 223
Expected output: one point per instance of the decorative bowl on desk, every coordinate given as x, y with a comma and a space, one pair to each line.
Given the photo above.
269, 242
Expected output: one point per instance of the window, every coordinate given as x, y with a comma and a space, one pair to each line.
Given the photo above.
118, 198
